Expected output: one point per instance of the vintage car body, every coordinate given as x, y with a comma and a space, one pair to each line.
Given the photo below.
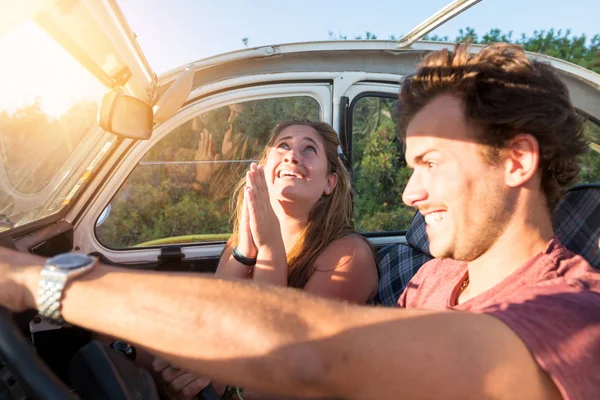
74, 207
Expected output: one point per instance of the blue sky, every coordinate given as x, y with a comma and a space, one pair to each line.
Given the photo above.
174, 32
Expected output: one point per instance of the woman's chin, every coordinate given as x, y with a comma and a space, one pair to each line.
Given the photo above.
295, 195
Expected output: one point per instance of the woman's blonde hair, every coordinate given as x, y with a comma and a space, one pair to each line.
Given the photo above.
329, 219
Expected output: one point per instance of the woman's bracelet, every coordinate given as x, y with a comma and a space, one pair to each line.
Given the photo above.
250, 262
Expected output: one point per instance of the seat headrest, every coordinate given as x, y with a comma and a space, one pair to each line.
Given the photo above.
576, 221
416, 235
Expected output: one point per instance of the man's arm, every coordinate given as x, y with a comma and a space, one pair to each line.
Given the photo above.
283, 341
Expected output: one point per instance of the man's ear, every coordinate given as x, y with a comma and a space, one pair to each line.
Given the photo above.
522, 156
331, 182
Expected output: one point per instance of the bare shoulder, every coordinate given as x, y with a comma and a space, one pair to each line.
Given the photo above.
346, 269
345, 252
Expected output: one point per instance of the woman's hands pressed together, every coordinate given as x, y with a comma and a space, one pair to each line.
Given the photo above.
271, 264
263, 222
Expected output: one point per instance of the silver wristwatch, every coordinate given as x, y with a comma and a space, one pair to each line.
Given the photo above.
57, 272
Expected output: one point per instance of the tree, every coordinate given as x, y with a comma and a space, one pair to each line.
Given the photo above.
560, 44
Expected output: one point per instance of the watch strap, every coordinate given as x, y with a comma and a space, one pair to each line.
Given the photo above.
53, 280
50, 292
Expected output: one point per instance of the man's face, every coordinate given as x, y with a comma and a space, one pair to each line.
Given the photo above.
463, 197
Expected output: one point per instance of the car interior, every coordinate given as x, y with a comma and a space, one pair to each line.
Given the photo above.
124, 187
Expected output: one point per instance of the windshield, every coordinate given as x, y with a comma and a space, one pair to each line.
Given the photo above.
49, 141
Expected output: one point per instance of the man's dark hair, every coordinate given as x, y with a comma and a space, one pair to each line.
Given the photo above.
505, 93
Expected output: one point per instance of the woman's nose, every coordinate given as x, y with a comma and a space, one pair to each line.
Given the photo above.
291, 157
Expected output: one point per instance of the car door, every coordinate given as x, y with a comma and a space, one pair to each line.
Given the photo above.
59, 58
169, 199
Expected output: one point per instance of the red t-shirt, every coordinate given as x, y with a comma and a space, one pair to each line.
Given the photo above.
552, 302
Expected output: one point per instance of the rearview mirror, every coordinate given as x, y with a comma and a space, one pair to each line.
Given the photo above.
125, 116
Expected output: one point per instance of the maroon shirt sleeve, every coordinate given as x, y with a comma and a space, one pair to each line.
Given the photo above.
559, 321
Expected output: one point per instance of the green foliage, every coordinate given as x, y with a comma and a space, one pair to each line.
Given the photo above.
158, 200
368, 36
579, 50
590, 166
379, 170
142, 211
33, 148
34, 145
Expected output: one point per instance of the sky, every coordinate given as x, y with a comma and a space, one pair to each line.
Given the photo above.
176, 32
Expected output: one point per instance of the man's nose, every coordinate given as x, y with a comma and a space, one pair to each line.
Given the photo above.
414, 192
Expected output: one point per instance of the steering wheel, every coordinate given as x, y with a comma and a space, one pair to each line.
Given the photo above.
22, 361
39, 381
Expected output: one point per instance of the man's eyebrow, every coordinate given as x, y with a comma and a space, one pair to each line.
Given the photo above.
418, 159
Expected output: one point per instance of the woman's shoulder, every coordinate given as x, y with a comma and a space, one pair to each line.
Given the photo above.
345, 270
352, 240
348, 248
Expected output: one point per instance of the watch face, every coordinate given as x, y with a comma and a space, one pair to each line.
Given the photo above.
69, 261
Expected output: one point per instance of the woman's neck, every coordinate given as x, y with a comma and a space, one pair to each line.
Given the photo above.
292, 222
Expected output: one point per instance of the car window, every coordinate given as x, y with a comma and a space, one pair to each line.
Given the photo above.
379, 170
49, 141
590, 170
181, 190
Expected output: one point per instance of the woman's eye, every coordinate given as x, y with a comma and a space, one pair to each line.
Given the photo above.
310, 148
431, 164
283, 146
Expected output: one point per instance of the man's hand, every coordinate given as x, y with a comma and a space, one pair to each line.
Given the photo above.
18, 279
176, 383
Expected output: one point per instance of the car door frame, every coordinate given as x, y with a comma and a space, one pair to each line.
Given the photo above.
353, 94
85, 239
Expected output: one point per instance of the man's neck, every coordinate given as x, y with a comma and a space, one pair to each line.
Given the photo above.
520, 242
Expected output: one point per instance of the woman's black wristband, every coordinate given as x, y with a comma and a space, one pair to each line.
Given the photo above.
243, 259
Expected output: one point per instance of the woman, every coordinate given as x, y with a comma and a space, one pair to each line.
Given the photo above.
293, 227
294, 216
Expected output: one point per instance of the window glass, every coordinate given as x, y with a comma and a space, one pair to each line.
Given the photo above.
379, 169
181, 190
590, 170
49, 140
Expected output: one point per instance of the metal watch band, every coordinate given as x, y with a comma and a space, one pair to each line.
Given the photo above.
57, 272
50, 293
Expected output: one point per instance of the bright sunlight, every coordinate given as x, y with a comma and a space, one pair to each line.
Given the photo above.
35, 68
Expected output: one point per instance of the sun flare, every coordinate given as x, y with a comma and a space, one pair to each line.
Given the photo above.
35, 68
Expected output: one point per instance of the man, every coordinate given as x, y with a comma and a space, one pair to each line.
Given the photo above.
492, 138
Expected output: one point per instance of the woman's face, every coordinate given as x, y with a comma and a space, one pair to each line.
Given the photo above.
296, 166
